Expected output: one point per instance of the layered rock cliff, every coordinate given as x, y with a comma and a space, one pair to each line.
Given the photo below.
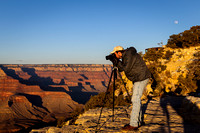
32, 94
174, 70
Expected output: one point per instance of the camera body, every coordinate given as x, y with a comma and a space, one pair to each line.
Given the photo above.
111, 57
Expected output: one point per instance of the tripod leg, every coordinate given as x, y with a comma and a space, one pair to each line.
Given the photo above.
114, 88
124, 86
105, 98
129, 97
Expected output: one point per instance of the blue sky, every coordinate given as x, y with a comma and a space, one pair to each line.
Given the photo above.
85, 31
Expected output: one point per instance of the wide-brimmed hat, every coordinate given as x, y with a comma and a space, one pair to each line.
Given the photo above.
117, 48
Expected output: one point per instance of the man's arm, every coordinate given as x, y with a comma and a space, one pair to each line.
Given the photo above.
128, 60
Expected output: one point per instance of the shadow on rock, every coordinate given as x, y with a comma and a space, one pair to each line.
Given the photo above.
190, 118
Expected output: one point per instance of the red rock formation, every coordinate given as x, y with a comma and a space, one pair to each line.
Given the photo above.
42, 93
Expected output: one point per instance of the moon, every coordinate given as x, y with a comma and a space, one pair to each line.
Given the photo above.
176, 21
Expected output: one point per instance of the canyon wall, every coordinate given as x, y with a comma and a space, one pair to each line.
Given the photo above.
33, 94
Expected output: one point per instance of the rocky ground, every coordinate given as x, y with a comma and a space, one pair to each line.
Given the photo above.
165, 115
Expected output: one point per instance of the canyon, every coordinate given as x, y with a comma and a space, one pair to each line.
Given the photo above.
43, 93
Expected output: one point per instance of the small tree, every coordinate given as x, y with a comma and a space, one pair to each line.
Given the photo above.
153, 55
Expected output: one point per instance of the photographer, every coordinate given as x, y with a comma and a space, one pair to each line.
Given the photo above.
136, 70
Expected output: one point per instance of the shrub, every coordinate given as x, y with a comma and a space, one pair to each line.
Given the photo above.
153, 55
186, 84
185, 39
101, 101
194, 71
74, 115
61, 121
157, 84
168, 55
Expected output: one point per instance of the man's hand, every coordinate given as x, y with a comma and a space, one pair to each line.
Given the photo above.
115, 61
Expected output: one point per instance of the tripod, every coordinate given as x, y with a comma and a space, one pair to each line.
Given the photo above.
114, 74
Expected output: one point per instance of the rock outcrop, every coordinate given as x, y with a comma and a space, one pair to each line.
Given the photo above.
32, 94
172, 71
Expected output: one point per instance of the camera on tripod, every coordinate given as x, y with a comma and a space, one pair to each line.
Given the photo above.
112, 57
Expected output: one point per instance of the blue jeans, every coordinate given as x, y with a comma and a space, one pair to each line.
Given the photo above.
136, 113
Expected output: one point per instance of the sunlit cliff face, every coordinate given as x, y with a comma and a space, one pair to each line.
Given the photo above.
176, 66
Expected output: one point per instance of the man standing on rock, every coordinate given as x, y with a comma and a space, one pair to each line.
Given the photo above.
136, 70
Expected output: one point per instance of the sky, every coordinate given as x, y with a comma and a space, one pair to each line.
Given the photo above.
85, 31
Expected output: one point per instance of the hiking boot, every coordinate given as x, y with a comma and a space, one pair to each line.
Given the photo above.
129, 128
142, 124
